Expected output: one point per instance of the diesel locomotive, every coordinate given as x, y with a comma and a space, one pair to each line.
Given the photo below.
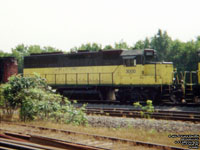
125, 75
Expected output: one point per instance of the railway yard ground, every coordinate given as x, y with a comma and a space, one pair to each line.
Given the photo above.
171, 107
140, 130
149, 136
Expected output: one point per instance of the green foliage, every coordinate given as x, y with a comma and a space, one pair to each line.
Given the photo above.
36, 100
121, 45
142, 44
107, 47
146, 111
21, 50
88, 46
2, 100
3, 54
182, 54
161, 42
16, 86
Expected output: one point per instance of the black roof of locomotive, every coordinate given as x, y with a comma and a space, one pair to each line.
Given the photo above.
100, 58
81, 58
47, 53
79, 52
86, 52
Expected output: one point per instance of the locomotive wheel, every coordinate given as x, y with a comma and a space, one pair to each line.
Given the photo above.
123, 96
176, 97
136, 96
173, 98
196, 100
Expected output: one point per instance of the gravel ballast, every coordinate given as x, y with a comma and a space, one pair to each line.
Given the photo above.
158, 125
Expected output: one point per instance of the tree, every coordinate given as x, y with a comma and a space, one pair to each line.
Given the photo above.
139, 45
38, 49
19, 52
142, 44
107, 47
3, 54
161, 42
176, 54
34, 49
88, 46
48, 49
121, 45
197, 43
147, 43
190, 57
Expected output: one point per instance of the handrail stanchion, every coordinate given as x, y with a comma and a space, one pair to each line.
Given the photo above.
55, 79
88, 78
65, 78
99, 78
76, 78
112, 78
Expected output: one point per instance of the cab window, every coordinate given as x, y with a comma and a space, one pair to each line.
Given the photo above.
130, 62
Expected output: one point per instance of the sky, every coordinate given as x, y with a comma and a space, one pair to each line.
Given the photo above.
64, 24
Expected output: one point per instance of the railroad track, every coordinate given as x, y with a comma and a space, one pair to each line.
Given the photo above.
111, 102
22, 141
157, 114
61, 144
16, 144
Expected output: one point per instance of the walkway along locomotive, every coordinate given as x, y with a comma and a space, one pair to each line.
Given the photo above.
125, 75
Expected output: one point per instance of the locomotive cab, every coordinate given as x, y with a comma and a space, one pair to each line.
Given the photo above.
131, 57
150, 54
143, 76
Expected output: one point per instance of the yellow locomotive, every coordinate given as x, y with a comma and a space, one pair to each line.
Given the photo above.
125, 75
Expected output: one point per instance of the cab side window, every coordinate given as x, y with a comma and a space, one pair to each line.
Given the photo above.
130, 62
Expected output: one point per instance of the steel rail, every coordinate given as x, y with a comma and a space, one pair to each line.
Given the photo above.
112, 139
8, 143
157, 114
168, 103
42, 140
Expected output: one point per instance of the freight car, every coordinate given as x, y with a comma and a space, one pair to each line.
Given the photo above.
125, 75
8, 67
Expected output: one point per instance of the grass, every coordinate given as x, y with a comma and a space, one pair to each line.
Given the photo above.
130, 133
126, 133
69, 137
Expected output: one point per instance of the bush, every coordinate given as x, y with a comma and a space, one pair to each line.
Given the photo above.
146, 111
37, 101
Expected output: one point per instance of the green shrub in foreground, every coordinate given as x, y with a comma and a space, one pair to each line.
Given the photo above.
37, 101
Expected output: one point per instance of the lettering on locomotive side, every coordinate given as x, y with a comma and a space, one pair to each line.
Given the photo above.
130, 71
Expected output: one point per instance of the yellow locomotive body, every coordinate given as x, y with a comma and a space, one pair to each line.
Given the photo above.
123, 71
148, 74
